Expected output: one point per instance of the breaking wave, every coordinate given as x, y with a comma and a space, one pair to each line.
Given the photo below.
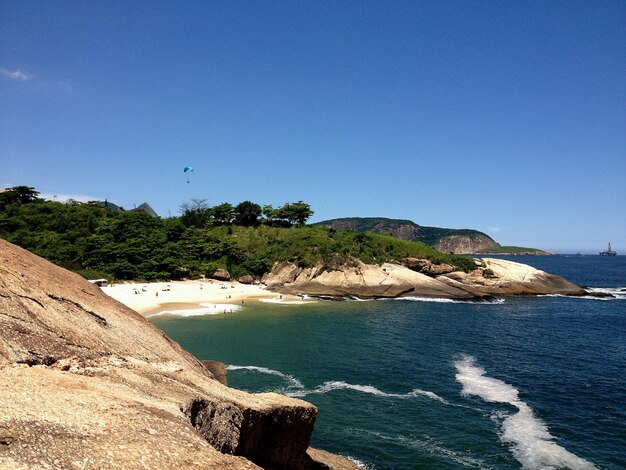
358, 463
208, 309
532, 444
338, 385
285, 302
495, 301
618, 293
296, 389
291, 380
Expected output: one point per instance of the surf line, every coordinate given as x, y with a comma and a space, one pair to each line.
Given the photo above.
338, 385
296, 389
532, 444
291, 380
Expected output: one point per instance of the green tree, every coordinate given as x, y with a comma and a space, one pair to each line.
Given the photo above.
223, 213
18, 195
269, 214
295, 213
247, 214
301, 212
195, 213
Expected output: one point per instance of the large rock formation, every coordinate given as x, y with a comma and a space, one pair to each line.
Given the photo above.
358, 279
86, 382
419, 278
502, 277
461, 244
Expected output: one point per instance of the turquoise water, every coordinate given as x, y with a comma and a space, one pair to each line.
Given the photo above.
528, 382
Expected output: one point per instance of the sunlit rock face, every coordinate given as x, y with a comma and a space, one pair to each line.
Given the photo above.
86, 382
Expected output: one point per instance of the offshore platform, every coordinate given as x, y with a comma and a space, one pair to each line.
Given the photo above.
608, 252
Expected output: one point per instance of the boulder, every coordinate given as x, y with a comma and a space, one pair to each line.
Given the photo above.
247, 279
217, 370
283, 272
220, 275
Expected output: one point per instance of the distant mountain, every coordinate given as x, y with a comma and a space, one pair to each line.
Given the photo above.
145, 207
443, 239
109, 205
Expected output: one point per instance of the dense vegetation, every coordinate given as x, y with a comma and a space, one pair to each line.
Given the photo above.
98, 242
428, 235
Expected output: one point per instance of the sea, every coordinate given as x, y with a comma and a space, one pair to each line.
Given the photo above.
528, 382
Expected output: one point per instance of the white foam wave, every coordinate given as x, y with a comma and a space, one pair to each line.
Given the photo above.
296, 389
209, 309
533, 445
357, 462
618, 292
285, 302
338, 385
291, 380
449, 301
587, 297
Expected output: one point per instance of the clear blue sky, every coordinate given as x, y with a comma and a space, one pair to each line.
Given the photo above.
507, 117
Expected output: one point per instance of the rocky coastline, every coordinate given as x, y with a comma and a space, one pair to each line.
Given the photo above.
86, 382
84, 378
418, 278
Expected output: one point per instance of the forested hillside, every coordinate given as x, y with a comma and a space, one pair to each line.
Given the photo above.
409, 230
245, 238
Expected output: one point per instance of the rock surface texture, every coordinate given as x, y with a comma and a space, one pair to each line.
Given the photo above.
86, 382
419, 278
464, 244
502, 277
360, 280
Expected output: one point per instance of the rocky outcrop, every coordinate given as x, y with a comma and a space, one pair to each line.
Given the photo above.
86, 382
502, 277
460, 244
358, 279
217, 370
420, 278
427, 267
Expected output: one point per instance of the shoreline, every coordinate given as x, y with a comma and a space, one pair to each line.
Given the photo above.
208, 297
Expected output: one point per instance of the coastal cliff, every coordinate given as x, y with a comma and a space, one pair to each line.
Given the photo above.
86, 382
417, 278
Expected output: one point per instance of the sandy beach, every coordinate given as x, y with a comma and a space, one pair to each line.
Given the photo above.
190, 298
